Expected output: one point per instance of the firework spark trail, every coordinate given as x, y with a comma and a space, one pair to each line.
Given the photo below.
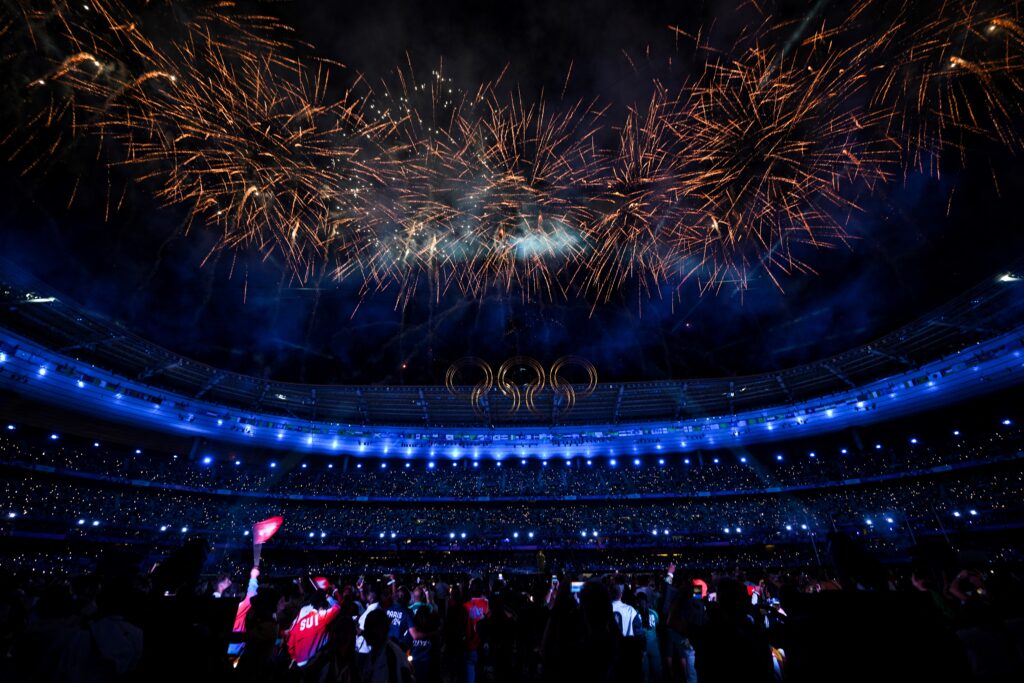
757, 161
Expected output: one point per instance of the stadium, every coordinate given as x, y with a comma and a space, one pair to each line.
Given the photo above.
645, 343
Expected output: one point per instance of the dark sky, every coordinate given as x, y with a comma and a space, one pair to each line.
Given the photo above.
140, 267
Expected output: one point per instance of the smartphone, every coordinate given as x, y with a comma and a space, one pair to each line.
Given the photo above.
576, 586
554, 580
501, 577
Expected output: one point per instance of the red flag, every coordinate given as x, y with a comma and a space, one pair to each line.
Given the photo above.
262, 531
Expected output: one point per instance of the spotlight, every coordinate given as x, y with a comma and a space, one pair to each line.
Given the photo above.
54, 437
207, 460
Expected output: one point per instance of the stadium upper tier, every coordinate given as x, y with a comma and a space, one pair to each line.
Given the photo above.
54, 351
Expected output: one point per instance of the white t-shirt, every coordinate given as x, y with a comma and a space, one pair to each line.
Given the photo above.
629, 617
361, 646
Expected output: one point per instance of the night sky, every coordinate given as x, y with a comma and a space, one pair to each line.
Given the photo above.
917, 243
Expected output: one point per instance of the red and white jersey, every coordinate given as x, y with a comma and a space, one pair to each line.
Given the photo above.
309, 631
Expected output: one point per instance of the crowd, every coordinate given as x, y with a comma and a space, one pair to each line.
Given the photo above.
934, 620
816, 463
950, 501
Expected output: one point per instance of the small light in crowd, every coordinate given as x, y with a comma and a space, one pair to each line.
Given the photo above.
779, 457
311, 534
568, 463
658, 446
3, 357
81, 522
594, 534
686, 461
812, 454
138, 451
245, 533
661, 461
583, 533
972, 513
430, 465
207, 460
869, 522
654, 533
408, 465
330, 465
81, 384
95, 522
726, 529
715, 461
383, 465
804, 527
956, 513
11, 427
789, 527
455, 464
515, 534
95, 444
544, 463
163, 527
739, 530
956, 432
42, 371
1007, 422
843, 451
451, 534
304, 465
589, 463
913, 440
237, 463
220, 423
878, 446
530, 534
184, 529
636, 461
476, 464
273, 465
54, 437
664, 532
393, 534
359, 465
462, 535
382, 534
888, 520
522, 461
743, 458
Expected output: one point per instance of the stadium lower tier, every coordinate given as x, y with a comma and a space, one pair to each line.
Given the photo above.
62, 509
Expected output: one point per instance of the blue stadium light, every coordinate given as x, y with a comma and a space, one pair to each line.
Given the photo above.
95, 444
613, 462
725, 529
972, 513
383, 465
789, 527
330, 465
273, 465
42, 371
715, 461
323, 534
1007, 422
238, 463
956, 513
54, 437
476, 464
220, 423
888, 520
393, 534
812, 454
163, 527
682, 444
430, 465
804, 527
81, 522
843, 451
280, 435
184, 529
544, 463
869, 522
913, 440
359, 465
522, 461
654, 533
779, 457
138, 451
590, 463
3, 357
636, 462
739, 530
956, 432
686, 461
207, 460
462, 535
309, 440
95, 522
81, 384
594, 534
311, 534
661, 461
497, 464
407, 465
451, 534
664, 532
878, 446
743, 459
568, 462
304, 465
583, 533
658, 446
455, 464
245, 533
11, 427
530, 534
382, 534
515, 534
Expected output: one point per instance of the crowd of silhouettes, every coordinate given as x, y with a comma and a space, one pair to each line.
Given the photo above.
854, 619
